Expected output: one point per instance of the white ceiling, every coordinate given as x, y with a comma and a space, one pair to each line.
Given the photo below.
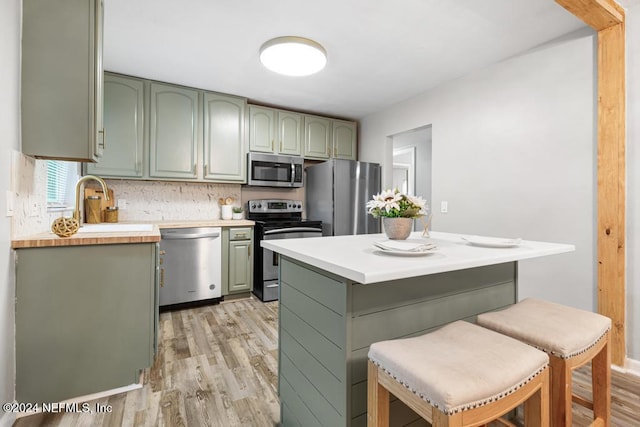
380, 52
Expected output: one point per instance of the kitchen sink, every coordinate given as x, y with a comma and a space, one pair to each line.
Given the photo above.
114, 228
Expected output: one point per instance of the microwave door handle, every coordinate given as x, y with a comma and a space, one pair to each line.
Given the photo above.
293, 173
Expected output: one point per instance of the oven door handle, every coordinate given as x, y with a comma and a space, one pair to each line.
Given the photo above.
293, 230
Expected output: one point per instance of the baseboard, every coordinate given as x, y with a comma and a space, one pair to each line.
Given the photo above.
7, 419
632, 366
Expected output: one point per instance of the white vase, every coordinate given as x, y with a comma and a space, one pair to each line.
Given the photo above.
397, 228
226, 211
237, 215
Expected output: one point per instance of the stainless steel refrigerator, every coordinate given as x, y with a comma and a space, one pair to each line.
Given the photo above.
336, 193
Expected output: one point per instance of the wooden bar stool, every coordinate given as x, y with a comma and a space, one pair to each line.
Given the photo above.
571, 338
459, 375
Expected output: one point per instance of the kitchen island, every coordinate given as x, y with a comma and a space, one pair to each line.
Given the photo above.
340, 294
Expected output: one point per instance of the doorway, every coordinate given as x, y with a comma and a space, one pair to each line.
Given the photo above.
412, 163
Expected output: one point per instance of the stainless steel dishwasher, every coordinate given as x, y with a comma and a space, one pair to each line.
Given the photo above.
190, 264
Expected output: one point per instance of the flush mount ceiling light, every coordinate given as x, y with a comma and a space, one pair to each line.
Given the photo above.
293, 56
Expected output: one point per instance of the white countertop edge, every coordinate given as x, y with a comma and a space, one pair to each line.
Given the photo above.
482, 257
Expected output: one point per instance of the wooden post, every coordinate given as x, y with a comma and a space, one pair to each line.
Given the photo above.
607, 17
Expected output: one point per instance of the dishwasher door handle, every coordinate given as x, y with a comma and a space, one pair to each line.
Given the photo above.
176, 236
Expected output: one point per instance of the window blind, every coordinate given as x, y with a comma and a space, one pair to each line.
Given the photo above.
57, 180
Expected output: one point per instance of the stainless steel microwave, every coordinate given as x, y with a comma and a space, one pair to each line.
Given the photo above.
272, 170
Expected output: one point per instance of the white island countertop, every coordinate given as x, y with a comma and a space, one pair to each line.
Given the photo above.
357, 259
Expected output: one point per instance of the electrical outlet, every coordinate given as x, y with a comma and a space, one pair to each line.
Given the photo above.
122, 204
10, 203
444, 206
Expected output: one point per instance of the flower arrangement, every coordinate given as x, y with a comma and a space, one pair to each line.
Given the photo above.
394, 204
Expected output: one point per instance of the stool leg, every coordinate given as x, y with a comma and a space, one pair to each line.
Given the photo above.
536, 408
561, 397
601, 383
377, 399
440, 419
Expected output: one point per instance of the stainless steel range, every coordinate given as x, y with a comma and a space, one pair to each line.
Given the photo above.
275, 219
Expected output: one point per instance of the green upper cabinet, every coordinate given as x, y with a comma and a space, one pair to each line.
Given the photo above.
62, 79
124, 124
262, 132
173, 132
275, 131
345, 141
317, 137
290, 133
224, 144
329, 138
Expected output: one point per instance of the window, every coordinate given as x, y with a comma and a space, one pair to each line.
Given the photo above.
61, 177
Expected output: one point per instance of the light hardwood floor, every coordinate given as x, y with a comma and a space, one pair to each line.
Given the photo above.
217, 366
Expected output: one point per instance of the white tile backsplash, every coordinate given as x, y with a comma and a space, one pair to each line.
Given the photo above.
161, 201
145, 200
29, 185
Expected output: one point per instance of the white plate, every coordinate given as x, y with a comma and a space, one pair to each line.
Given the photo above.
405, 253
492, 242
404, 245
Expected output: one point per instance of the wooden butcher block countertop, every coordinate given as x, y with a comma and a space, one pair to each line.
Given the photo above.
48, 239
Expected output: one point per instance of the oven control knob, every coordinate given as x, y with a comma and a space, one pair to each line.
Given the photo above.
299, 206
259, 206
253, 206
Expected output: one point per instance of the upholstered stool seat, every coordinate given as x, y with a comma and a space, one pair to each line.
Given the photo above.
461, 374
572, 338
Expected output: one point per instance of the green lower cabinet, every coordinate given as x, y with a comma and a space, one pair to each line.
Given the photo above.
237, 260
86, 319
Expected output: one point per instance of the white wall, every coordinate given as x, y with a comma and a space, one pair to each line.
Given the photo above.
9, 141
633, 179
514, 155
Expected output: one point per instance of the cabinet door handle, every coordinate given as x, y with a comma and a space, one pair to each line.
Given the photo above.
162, 277
281, 146
249, 249
205, 170
272, 143
103, 131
